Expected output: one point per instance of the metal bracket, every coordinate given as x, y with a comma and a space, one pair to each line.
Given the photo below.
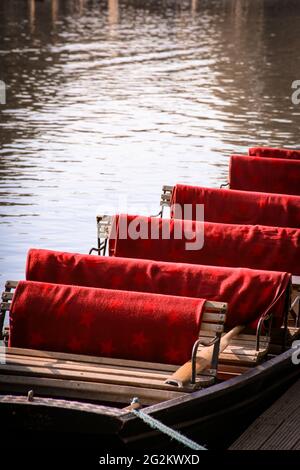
260, 324
101, 248
215, 357
296, 315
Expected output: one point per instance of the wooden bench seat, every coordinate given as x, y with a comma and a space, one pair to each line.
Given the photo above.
99, 378
242, 349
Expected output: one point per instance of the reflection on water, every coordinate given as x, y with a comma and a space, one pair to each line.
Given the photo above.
121, 96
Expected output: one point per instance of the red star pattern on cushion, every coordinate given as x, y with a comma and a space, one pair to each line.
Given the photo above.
106, 347
138, 278
75, 345
87, 320
117, 280
172, 355
140, 340
174, 317
60, 311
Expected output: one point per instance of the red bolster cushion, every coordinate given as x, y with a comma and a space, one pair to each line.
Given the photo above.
102, 322
236, 207
248, 246
269, 175
249, 293
270, 152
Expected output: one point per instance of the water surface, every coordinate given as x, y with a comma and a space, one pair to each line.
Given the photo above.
109, 100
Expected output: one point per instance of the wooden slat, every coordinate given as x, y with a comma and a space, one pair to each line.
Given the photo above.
116, 373
7, 296
293, 332
239, 359
237, 350
211, 327
277, 428
211, 304
84, 390
108, 378
167, 188
11, 284
250, 344
100, 375
239, 355
85, 359
213, 317
241, 337
104, 223
241, 350
84, 367
80, 367
296, 281
5, 305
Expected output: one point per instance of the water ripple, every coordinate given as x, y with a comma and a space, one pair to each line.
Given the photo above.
108, 102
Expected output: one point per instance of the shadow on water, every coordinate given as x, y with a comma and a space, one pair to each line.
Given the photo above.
108, 100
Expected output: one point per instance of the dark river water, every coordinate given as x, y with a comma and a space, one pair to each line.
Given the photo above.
106, 101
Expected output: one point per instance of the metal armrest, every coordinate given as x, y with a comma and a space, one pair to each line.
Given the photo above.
262, 320
295, 302
215, 356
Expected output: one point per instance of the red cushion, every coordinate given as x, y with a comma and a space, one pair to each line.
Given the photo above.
249, 246
270, 175
249, 293
237, 207
120, 324
274, 153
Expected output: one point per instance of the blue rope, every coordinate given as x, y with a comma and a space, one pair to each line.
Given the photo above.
155, 424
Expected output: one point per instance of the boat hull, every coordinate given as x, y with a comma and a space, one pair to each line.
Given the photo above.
213, 417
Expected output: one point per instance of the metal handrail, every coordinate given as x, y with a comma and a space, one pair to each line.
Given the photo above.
194, 354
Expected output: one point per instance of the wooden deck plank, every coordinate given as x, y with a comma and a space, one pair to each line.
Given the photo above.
54, 371
286, 435
76, 366
296, 281
85, 359
277, 428
70, 389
